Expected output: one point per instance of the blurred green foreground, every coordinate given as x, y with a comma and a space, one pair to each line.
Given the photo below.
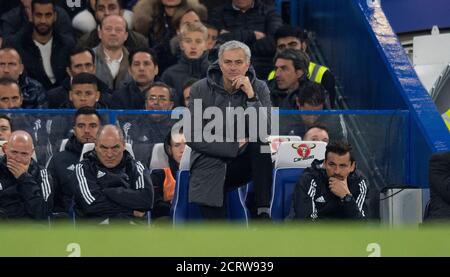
258, 240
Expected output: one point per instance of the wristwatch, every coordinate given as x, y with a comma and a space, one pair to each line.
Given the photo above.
347, 198
253, 99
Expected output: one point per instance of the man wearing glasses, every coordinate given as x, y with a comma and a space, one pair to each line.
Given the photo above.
143, 131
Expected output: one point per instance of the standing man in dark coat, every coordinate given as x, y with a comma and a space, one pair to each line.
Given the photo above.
232, 158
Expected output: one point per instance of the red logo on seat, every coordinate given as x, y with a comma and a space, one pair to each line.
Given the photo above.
303, 150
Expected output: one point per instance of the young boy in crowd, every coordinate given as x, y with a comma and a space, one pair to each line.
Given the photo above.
193, 62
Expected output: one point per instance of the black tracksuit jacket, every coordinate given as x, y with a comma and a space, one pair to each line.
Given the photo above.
314, 200
102, 192
29, 196
61, 168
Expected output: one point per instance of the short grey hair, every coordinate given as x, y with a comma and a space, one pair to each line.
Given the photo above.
234, 44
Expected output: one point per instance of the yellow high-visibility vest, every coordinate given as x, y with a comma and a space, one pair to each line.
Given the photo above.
315, 72
446, 117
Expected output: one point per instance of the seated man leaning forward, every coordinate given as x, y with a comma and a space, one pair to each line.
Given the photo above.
25, 188
109, 183
335, 191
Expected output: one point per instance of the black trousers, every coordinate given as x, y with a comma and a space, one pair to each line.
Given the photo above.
250, 165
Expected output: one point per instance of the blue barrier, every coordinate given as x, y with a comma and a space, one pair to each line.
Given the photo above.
361, 49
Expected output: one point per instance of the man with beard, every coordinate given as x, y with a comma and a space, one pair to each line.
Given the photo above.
334, 191
62, 164
289, 37
83, 93
17, 19
44, 52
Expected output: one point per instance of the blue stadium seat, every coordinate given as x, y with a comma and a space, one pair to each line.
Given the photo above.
291, 160
182, 210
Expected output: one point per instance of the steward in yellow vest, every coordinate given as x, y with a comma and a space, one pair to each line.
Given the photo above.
289, 37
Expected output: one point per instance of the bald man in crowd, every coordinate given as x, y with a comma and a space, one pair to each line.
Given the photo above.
111, 56
317, 132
